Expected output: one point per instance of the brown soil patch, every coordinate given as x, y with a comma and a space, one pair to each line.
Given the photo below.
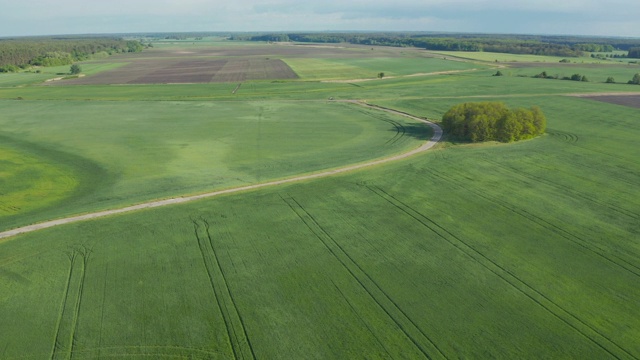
189, 71
631, 100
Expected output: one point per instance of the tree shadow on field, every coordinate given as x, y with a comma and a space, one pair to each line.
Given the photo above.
417, 131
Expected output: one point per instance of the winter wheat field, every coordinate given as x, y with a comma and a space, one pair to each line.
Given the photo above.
520, 250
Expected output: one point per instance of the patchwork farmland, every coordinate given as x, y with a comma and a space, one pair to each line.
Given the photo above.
519, 250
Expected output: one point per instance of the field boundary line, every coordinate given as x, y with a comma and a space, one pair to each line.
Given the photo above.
435, 138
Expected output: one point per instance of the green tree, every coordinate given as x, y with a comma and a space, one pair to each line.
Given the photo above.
380, 75
75, 69
539, 120
491, 121
576, 77
610, 80
634, 53
635, 80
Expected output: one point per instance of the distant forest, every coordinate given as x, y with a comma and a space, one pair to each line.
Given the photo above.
567, 46
22, 53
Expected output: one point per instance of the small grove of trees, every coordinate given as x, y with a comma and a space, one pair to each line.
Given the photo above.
75, 69
574, 77
634, 53
18, 54
493, 121
635, 80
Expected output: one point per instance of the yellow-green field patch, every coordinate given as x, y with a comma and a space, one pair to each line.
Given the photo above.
28, 182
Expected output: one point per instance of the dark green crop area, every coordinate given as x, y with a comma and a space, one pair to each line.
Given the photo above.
511, 251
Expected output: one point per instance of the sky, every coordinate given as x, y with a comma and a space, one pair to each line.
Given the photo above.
559, 17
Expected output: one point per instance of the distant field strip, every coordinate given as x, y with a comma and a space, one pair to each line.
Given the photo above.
437, 135
589, 332
387, 304
238, 338
65, 338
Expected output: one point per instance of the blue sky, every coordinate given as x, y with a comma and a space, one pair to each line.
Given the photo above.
570, 17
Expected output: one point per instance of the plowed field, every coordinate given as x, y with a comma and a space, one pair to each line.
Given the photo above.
626, 100
189, 71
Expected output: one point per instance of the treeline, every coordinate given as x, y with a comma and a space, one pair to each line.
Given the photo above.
512, 44
634, 53
493, 121
23, 53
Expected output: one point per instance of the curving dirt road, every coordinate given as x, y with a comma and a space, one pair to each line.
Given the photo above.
437, 135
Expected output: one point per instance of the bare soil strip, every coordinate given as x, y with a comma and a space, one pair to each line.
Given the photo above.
624, 99
437, 135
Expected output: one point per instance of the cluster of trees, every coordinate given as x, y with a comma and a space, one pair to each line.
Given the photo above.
574, 77
634, 53
444, 43
577, 77
493, 121
594, 47
513, 44
23, 53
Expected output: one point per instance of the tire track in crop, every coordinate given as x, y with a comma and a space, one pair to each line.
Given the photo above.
565, 189
369, 328
400, 131
562, 314
399, 128
584, 244
69, 313
236, 331
573, 140
564, 136
411, 330
161, 351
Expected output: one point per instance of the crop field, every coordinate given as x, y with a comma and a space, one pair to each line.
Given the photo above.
521, 59
509, 251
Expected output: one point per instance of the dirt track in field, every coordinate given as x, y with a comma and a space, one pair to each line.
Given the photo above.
437, 135
447, 72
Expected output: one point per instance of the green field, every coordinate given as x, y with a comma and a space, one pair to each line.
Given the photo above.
149, 150
338, 69
510, 251
499, 57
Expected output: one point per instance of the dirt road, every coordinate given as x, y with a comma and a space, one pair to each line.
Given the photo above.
437, 135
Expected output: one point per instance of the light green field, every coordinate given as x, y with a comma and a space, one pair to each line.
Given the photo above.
368, 68
500, 57
621, 74
28, 182
510, 251
150, 150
